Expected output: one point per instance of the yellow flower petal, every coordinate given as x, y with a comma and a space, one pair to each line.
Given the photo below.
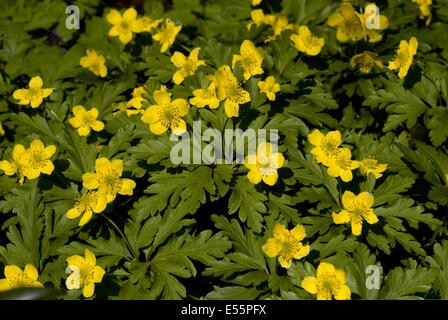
101, 202
324, 268
127, 187
73, 213
31, 272
182, 106
36, 83
85, 217
90, 180
4, 285
356, 223
178, 59
114, 17
270, 179
370, 217
280, 232
75, 260
298, 232
231, 108
343, 293
309, 284
348, 200
130, 14
254, 176
315, 137
341, 217
157, 128
12, 271
98, 274
84, 130
366, 199
90, 258
88, 290
271, 248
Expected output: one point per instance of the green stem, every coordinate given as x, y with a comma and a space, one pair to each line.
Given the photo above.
128, 244
224, 126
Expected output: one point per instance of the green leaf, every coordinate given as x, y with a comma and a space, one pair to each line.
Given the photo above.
391, 188
440, 263
403, 283
248, 202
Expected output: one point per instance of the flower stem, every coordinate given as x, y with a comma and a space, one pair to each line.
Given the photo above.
128, 244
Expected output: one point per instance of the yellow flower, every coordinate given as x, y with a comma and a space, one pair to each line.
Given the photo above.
264, 165
357, 208
205, 97
228, 89
135, 102
404, 57
235, 96
278, 23
15, 278
256, 2
349, 23
36, 159
425, 10
94, 63
85, 120
2, 131
365, 61
123, 26
326, 147
341, 165
85, 273
145, 24
87, 203
167, 35
186, 67
306, 42
370, 165
258, 18
221, 77
269, 87
15, 165
286, 244
120, 106
107, 179
166, 113
330, 282
370, 29
250, 59
34, 94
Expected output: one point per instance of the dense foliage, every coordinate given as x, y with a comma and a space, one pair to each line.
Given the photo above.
87, 179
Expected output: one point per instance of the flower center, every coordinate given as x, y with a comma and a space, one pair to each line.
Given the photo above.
235, 94
111, 182
402, 57
87, 120
370, 163
124, 25
358, 212
188, 68
37, 159
343, 162
248, 61
86, 200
